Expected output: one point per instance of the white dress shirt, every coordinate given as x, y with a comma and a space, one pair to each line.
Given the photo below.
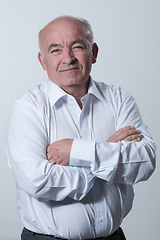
90, 197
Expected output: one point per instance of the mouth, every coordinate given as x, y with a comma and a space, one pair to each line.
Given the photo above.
70, 69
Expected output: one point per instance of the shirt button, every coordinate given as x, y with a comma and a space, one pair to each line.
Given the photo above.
101, 219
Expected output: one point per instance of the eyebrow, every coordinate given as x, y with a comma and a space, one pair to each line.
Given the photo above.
52, 45
79, 41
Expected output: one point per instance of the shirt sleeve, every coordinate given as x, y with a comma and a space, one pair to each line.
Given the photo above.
26, 142
124, 162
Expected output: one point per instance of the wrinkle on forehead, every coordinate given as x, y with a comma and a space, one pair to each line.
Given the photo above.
61, 26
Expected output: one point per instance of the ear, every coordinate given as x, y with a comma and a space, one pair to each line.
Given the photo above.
95, 52
41, 59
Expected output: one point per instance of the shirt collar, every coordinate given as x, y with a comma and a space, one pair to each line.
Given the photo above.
55, 92
94, 90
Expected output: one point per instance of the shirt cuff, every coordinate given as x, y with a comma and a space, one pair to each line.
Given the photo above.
82, 152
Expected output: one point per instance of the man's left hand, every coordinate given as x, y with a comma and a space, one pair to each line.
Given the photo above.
59, 152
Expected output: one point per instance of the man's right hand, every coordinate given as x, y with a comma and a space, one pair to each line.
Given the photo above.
59, 152
128, 133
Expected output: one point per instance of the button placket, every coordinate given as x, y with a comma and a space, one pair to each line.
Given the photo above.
83, 126
99, 212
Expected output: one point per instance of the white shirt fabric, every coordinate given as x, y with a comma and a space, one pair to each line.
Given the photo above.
90, 197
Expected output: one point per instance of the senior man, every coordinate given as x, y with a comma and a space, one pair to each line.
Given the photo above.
76, 146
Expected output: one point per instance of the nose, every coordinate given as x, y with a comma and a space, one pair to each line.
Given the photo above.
68, 57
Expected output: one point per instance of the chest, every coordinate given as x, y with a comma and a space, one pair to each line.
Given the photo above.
96, 121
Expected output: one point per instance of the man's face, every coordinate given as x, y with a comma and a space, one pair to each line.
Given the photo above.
66, 56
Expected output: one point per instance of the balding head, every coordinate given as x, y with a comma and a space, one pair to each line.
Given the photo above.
82, 24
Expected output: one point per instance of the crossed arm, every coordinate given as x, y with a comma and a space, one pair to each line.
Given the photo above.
124, 158
59, 151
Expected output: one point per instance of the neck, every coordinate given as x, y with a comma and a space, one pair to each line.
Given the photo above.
78, 95
79, 103
77, 92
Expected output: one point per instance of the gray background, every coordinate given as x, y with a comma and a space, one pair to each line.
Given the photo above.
128, 35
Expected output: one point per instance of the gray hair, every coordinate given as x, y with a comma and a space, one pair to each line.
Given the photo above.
86, 28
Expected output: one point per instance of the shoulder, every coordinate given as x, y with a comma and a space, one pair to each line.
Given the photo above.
35, 95
112, 93
34, 101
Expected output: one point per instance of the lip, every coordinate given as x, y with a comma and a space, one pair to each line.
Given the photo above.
69, 69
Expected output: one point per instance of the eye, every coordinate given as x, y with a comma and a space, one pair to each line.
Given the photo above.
55, 51
78, 48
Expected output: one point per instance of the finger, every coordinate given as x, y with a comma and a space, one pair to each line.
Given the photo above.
122, 133
49, 156
51, 152
51, 160
133, 137
54, 159
137, 140
52, 155
123, 129
129, 133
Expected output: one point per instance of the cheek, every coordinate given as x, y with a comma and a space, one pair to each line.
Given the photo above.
52, 65
86, 61
87, 65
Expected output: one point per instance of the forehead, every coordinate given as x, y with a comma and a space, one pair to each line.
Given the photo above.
63, 31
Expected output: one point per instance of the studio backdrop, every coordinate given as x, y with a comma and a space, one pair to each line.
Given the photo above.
128, 35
